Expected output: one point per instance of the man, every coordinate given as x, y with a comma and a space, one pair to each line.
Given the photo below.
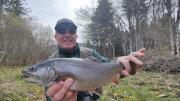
67, 48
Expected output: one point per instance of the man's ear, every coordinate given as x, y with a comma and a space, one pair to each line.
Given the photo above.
76, 36
55, 36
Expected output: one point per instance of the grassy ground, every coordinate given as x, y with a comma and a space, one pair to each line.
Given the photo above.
144, 86
13, 88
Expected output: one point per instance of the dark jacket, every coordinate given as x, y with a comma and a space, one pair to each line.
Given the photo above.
79, 52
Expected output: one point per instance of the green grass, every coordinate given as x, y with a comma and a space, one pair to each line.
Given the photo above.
13, 88
144, 86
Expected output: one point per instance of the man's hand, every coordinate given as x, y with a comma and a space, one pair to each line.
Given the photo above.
127, 61
60, 91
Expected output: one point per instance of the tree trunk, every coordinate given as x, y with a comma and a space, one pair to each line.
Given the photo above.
177, 44
168, 4
130, 45
171, 40
177, 23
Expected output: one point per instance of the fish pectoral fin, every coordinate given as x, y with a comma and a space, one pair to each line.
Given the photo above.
59, 79
115, 79
64, 76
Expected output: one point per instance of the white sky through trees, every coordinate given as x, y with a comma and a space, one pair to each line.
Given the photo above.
48, 12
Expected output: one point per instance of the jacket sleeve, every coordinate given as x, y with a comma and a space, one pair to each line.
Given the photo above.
100, 57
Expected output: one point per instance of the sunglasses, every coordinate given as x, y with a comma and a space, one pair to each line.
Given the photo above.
66, 28
63, 31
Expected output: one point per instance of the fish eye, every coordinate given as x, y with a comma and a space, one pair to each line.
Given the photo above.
33, 69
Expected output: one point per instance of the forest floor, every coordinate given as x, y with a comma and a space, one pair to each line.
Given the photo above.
143, 86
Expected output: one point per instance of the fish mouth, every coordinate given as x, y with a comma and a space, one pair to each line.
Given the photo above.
26, 75
30, 78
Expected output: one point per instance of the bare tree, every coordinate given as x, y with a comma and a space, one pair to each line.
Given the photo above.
173, 22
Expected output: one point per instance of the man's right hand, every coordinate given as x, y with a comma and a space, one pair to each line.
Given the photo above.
60, 91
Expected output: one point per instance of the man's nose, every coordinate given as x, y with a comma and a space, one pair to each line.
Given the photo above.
67, 33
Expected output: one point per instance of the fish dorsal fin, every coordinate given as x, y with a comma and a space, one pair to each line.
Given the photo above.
92, 59
75, 59
87, 59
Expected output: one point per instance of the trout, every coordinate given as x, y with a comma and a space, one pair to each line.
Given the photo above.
87, 75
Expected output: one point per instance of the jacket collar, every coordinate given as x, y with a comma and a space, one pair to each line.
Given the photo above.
75, 52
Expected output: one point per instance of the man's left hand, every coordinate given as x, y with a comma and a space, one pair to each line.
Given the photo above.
134, 58
127, 61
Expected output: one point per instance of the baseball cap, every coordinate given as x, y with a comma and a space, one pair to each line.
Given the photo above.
65, 24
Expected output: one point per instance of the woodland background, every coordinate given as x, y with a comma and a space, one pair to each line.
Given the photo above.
112, 27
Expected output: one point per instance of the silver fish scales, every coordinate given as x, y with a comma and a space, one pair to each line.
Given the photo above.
87, 75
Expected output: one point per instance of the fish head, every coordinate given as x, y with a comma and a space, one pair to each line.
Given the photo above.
42, 74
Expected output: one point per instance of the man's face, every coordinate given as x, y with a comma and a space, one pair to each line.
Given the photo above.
66, 40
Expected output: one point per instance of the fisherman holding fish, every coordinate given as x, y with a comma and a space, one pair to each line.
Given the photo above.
65, 90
